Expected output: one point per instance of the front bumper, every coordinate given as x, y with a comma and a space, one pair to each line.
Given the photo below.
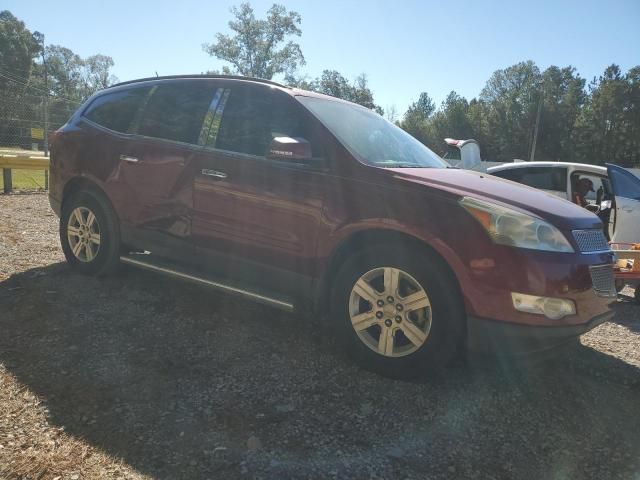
490, 336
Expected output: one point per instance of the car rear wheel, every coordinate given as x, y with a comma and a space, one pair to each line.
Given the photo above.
398, 311
89, 233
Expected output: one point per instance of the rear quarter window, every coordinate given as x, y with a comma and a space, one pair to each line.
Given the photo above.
117, 110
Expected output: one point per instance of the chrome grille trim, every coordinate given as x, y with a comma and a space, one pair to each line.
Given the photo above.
591, 241
603, 281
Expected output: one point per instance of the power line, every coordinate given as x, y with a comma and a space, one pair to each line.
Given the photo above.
24, 83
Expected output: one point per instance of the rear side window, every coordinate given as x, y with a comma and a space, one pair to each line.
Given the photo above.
176, 111
544, 178
253, 117
117, 110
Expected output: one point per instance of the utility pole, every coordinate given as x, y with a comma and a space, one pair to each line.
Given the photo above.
535, 130
46, 103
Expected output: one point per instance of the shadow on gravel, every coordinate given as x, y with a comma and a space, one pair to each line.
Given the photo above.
176, 380
628, 311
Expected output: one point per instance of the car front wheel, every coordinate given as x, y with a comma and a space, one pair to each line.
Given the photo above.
399, 311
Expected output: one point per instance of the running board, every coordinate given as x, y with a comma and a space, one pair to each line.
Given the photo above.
217, 285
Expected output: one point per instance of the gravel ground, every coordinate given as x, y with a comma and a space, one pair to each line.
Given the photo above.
141, 376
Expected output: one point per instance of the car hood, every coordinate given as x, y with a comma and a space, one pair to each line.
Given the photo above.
557, 211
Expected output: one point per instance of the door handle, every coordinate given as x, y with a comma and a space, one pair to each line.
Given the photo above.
127, 158
213, 173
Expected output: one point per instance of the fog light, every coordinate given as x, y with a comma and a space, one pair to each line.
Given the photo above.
553, 308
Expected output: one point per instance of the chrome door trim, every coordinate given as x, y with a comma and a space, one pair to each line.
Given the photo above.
217, 285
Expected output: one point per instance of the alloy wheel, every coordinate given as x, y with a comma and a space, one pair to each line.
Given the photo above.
390, 312
83, 234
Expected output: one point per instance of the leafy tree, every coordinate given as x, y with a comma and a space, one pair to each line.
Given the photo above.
97, 74
423, 107
333, 83
259, 48
23, 90
416, 118
450, 121
64, 72
362, 94
632, 117
511, 98
563, 95
18, 48
608, 125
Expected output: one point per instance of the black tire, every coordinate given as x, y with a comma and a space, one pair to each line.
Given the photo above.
107, 256
637, 294
445, 337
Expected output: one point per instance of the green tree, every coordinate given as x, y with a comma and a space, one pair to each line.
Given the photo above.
562, 98
450, 121
18, 48
597, 126
511, 98
64, 72
97, 73
608, 125
259, 48
362, 94
423, 107
632, 115
333, 83
416, 118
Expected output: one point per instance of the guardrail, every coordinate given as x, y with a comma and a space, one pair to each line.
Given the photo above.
21, 161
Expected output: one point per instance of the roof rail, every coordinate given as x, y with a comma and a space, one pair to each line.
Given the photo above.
201, 75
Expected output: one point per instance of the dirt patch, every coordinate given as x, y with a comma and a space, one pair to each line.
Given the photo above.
137, 375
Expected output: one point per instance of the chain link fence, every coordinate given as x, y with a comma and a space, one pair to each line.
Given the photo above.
26, 115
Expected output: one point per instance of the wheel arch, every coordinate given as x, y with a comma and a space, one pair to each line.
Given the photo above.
366, 238
76, 184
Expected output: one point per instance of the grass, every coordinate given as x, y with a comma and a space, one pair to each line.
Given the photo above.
25, 179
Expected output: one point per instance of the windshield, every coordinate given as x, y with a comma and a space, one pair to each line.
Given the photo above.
371, 138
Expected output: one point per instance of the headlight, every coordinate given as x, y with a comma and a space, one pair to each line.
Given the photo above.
517, 229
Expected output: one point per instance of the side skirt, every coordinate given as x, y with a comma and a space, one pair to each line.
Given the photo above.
148, 262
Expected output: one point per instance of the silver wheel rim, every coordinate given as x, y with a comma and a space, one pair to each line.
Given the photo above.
390, 311
83, 234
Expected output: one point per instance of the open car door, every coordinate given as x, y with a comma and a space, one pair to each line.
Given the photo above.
626, 189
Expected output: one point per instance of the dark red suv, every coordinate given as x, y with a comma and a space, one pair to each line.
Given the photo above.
300, 200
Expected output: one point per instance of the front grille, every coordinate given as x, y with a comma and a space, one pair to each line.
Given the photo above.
591, 240
603, 282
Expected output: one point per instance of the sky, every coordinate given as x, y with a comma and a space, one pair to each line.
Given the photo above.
404, 47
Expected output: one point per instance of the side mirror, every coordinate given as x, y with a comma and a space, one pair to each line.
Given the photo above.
289, 149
